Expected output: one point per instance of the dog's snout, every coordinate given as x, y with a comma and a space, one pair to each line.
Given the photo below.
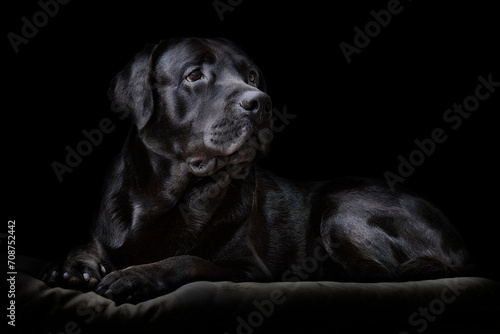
257, 105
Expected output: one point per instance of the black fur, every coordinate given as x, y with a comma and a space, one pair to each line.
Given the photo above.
185, 202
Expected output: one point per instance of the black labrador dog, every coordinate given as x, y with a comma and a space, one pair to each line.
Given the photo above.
184, 201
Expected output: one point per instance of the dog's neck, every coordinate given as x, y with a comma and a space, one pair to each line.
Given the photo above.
162, 189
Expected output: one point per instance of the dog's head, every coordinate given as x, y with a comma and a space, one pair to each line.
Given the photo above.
201, 101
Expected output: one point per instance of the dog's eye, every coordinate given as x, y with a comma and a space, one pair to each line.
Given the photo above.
194, 76
252, 77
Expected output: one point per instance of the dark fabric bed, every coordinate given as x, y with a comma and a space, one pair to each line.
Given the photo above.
453, 305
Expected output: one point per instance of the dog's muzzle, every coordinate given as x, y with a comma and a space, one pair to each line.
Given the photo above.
240, 155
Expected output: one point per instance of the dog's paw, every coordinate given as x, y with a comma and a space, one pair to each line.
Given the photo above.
131, 285
77, 274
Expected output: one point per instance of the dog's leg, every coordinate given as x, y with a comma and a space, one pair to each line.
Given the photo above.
138, 283
428, 268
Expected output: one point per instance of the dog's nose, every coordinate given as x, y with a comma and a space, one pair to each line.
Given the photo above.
257, 105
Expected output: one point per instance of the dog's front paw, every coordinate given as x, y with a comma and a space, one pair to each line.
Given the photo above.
82, 270
74, 274
131, 285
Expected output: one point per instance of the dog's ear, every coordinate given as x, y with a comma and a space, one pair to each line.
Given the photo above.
130, 90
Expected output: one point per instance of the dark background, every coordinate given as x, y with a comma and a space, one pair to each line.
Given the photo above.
351, 119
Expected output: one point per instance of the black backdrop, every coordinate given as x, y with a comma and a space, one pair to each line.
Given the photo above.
352, 118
